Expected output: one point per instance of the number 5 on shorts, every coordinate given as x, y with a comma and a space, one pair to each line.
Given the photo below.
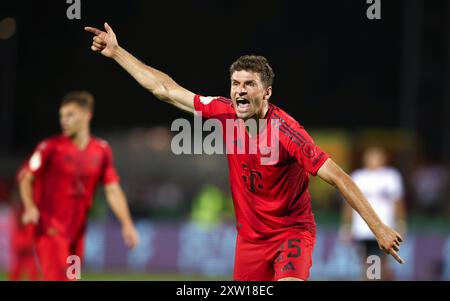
294, 243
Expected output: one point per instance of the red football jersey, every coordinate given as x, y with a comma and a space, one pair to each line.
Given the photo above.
270, 193
68, 178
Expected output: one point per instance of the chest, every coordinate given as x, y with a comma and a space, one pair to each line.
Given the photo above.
375, 186
262, 175
71, 162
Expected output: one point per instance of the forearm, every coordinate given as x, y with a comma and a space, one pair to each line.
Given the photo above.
346, 215
26, 192
150, 78
358, 202
118, 204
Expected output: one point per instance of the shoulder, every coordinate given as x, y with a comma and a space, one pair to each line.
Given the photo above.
285, 119
48, 143
213, 103
206, 100
100, 143
42, 152
102, 146
290, 128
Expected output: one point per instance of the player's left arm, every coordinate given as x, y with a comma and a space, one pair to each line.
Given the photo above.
388, 239
118, 203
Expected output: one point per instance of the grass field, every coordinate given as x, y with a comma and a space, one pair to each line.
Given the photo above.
117, 276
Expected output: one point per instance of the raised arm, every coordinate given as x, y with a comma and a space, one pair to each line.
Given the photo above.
155, 81
388, 239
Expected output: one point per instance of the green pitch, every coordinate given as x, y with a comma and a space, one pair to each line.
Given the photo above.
116, 276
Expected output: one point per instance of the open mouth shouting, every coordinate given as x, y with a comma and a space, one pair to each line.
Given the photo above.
243, 105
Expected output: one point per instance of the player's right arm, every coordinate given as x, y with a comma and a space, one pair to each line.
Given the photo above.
31, 212
34, 168
155, 81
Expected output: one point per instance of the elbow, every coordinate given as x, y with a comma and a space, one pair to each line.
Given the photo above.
341, 181
112, 191
160, 92
332, 182
109, 192
163, 91
162, 88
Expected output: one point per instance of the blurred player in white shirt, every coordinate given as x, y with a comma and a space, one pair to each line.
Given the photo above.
383, 187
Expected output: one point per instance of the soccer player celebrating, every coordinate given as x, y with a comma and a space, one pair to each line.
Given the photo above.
276, 227
68, 168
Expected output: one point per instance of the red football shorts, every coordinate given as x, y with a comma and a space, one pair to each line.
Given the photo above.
22, 256
53, 251
290, 256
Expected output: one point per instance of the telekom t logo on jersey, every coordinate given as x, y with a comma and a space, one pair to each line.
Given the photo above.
252, 178
237, 139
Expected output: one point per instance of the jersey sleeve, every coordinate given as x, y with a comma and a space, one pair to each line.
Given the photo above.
40, 157
109, 172
301, 146
211, 106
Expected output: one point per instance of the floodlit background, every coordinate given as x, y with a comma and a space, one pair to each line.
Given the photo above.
352, 82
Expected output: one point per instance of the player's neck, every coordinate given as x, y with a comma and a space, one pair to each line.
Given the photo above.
81, 139
264, 111
257, 117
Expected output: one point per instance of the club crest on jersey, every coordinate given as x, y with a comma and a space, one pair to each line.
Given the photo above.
308, 149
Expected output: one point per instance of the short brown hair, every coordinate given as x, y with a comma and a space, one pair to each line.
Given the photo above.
254, 63
82, 98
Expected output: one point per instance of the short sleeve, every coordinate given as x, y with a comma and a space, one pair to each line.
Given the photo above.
211, 106
40, 157
109, 173
302, 147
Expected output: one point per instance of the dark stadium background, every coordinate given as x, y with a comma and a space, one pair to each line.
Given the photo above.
335, 69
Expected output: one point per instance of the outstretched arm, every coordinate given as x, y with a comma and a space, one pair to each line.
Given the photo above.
388, 239
155, 81
118, 203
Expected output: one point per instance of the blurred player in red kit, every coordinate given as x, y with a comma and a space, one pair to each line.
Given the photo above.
69, 167
276, 227
23, 259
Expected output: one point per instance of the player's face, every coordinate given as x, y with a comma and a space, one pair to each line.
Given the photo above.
374, 158
248, 94
73, 119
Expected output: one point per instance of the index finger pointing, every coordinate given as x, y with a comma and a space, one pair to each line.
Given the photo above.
395, 255
93, 30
